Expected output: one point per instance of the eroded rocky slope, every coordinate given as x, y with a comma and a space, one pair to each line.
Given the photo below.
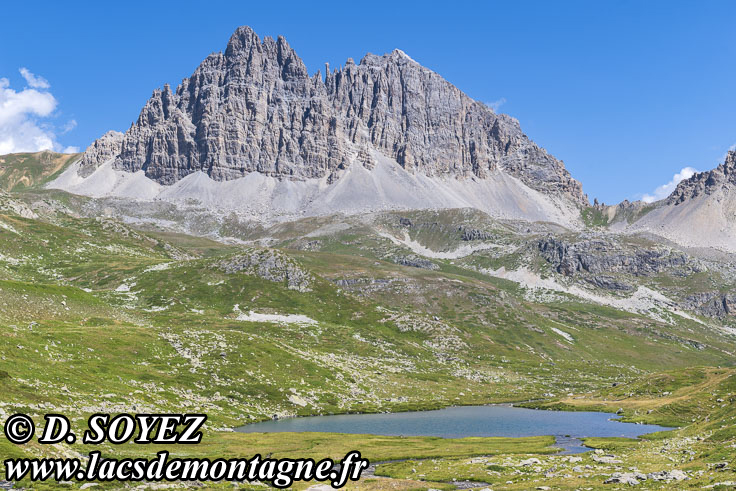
722, 178
700, 212
254, 110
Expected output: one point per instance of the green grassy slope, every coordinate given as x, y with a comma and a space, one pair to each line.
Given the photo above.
97, 316
19, 171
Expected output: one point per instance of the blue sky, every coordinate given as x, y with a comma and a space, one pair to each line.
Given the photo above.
627, 93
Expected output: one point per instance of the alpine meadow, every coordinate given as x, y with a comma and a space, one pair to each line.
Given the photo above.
263, 244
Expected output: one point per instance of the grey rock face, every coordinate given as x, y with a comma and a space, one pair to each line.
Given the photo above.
269, 265
712, 304
106, 147
603, 256
428, 125
706, 183
254, 108
609, 283
415, 261
470, 234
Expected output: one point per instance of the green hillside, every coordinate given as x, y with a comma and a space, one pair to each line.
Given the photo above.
20, 171
97, 316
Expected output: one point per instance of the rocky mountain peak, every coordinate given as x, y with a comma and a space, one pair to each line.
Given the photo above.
243, 40
105, 148
246, 48
255, 109
706, 183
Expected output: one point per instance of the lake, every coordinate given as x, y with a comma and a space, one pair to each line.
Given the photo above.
458, 422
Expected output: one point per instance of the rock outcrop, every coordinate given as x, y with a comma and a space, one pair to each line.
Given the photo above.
415, 261
470, 234
14, 207
712, 304
255, 108
599, 255
609, 283
700, 212
269, 265
707, 183
105, 148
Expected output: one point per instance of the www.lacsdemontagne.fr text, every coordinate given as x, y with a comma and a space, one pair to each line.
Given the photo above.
280, 473
159, 429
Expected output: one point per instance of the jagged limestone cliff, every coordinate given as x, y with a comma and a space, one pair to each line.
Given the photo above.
255, 108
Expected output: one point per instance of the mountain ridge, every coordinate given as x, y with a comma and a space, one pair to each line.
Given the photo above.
254, 108
707, 182
250, 132
700, 212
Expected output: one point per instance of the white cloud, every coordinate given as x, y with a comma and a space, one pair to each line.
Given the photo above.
70, 125
34, 81
25, 116
666, 189
496, 105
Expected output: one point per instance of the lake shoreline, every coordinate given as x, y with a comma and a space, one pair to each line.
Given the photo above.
568, 428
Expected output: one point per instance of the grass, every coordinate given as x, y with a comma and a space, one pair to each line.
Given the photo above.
593, 217
22, 171
611, 443
98, 316
674, 398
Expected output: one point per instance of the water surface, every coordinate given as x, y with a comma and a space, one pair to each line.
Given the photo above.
458, 422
